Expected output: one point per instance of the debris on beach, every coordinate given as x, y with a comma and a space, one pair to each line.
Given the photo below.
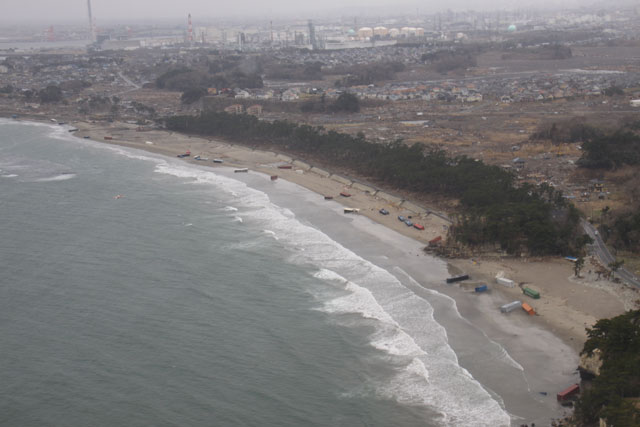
509, 307
531, 293
500, 279
481, 288
459, 278
435, 242
530, 311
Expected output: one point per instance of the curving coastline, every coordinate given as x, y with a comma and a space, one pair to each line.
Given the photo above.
567, 307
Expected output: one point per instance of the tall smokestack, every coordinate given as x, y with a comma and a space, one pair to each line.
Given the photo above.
190, 37
91, 35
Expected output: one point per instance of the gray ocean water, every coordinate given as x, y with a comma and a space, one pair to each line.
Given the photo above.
140, 290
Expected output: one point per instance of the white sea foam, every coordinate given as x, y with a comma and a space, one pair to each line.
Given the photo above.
230, 209
27, 169
62, 177
324, 274
270, 233
134, 154
237, 219
397, 342
405, 327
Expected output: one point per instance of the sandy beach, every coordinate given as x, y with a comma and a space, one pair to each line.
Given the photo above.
568, 304
546, 345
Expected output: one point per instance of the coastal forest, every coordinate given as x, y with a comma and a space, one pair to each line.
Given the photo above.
493, 211
615, 393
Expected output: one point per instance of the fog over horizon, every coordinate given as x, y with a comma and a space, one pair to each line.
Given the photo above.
104, 11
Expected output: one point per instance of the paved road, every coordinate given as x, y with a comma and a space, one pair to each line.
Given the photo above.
128, 80
602, 252
134, 86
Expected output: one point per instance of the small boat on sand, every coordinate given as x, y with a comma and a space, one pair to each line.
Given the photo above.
345, 194
241, 170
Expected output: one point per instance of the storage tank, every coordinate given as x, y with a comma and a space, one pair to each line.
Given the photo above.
380, 31
365, 32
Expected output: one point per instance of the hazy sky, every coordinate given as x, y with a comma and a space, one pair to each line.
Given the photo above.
109, 10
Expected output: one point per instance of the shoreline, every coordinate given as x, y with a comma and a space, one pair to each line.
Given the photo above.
551, 276
557, 310
567, 305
